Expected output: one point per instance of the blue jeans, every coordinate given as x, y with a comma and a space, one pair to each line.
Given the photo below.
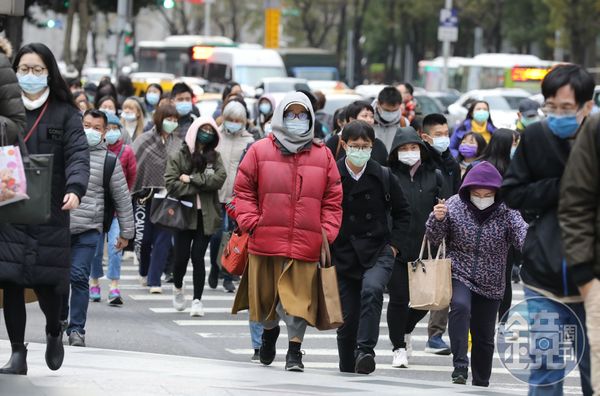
256, 331
114, 255
83, 248
154, 252
554, 376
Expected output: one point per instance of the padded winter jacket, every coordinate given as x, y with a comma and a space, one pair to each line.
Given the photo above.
285, 200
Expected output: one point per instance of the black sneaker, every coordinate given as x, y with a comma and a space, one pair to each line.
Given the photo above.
269, 342
169, 278
228, 286
460, 375
213, 278
256, 357
365, 363
293, 361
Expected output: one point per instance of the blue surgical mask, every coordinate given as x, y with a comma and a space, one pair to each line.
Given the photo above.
526, 121
152, 98
481, 116
296, 126
93, 136
112, 136
233, 127
513, 150
441, 144
265, 108
31, 83
108, 111
127, 116
183, 108
564, 126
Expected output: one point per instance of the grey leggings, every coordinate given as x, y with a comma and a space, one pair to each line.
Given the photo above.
296, 326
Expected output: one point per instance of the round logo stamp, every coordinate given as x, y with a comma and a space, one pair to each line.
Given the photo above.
538, 341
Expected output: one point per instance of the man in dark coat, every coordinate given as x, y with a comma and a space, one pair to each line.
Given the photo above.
531, 185
366, 247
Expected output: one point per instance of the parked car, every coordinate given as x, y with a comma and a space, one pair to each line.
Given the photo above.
445, 98
504, 105
428, 104
334, 101
282, 85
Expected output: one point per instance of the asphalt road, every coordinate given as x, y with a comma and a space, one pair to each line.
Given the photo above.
148, 323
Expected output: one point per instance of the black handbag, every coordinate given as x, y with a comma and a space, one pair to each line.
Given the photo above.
171, 213
38, 172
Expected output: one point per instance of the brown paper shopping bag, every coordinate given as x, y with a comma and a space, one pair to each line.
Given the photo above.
329, 312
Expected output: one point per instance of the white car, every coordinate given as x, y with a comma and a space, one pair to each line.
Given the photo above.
272, 85
335, 101
504, 105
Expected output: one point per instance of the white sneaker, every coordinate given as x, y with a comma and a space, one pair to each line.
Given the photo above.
143, 281
179, 298
409, 347
197, 308
156, 290
400, 358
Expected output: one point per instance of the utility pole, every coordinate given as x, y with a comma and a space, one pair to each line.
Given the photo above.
207, 10
123, 9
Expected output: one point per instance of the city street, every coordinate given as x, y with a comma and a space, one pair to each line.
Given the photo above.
148, 323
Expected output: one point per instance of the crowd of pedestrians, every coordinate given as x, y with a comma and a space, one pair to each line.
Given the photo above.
370, 182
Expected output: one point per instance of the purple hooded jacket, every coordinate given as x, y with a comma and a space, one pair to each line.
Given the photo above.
477, 249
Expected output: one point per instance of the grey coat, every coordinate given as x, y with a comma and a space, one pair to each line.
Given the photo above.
90, 213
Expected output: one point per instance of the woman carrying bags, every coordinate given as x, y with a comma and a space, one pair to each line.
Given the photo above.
478, 229
195, 174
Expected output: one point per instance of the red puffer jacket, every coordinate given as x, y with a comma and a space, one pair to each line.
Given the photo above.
128, 162
286, 200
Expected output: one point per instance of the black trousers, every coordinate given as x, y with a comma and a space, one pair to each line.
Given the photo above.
194, 243
400, 318
362, 301
15, 314
471, 311
507, 299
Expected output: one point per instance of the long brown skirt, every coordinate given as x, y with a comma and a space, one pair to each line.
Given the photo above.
268, 280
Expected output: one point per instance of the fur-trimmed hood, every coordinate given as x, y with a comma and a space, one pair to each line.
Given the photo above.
6, 47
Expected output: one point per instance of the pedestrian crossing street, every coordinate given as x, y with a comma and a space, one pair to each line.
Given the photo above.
219, 327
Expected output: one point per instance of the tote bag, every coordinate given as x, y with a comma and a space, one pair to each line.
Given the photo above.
329, 310
430, 280
171, 213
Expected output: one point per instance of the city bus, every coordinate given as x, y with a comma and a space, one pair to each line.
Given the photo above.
486, 71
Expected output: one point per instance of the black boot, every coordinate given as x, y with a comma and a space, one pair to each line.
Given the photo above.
267, 349
55, 353
293, 359
18, 361
460, 375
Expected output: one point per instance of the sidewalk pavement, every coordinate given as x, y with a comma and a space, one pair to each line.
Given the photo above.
93, 372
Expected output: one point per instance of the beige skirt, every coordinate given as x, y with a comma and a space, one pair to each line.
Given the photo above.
268, 280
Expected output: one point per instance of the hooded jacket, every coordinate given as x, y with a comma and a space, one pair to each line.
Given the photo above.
90, 213
421, 190
386, 130
285, 199
12, 112
462, 130
259, 131
478, 250
204, 185
231, 147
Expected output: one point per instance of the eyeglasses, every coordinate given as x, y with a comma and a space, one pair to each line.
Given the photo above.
36, 70
562, 110
290, 116
360, 148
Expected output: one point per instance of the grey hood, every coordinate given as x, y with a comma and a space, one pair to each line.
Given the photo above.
292, 142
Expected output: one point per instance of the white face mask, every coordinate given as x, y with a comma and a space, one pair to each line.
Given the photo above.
482, 203
409, 157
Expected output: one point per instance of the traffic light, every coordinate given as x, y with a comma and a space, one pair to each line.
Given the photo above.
168, 4
128, 42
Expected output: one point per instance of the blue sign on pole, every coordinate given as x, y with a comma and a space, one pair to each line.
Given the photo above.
448, 25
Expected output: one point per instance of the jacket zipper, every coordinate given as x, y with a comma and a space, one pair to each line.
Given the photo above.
291, 232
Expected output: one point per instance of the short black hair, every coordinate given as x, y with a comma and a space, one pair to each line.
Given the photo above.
181, 88
417, 123
389, 95
574, 75
96, 114
409, 87
433, 119
358, 130
354, 109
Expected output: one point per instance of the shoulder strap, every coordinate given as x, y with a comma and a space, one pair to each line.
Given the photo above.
37, 121
110, 161
121, 151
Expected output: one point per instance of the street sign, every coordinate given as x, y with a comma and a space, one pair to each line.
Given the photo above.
272, 19
448, 25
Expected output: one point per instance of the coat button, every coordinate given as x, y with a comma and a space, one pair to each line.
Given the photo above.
367, 196
369, 234
350, 199
368, 216
352, 217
